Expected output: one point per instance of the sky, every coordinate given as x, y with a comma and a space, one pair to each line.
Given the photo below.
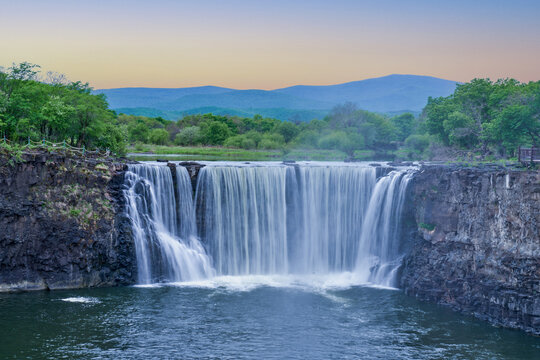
247, 44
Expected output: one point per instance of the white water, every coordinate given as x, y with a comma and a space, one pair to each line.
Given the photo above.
167, 248
329, 223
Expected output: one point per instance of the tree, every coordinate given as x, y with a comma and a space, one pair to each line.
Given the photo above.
139, 132
214, 132
461, 130
340, 140
434, 113
288, 130
159, 137
188, 136
404, 124
271, 141
515, 125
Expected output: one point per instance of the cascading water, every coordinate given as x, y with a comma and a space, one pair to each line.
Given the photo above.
267, 219
379, 255
244, 213
165, 240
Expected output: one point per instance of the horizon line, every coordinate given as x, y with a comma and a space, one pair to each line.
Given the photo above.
278, 88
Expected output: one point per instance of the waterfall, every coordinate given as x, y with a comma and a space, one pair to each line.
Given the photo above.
379, 247
244, 218
306, 219
332, 203
166, 245
267, 219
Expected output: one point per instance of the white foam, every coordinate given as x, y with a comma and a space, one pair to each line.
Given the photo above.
318, 283
80, 299
143, 286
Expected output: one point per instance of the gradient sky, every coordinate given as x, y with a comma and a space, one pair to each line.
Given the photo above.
271, 44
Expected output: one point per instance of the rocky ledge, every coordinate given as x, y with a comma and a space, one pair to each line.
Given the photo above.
477, 246
63, 223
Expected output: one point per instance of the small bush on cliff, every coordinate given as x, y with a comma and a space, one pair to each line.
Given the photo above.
428, 227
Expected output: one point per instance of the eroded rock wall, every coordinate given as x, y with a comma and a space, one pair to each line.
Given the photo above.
477, 245
63, 223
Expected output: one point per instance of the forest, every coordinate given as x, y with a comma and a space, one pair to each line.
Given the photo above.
484, 118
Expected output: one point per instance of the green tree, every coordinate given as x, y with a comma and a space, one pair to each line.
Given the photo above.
460, 129
288, 130
271, 141
404, 124
188, 136
214, 132
159, 137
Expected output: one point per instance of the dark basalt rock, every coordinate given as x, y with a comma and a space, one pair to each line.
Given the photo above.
63, 223
477, 245
193, 169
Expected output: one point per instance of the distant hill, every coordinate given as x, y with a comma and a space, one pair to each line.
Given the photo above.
389, 94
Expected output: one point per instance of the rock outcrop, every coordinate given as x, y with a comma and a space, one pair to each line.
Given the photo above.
477, 245
63, 223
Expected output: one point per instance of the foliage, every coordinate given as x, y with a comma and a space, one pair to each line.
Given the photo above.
34, 110
486, 116
188, 136
158, 137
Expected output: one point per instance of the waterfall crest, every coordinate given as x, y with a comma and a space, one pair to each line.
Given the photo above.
267, 219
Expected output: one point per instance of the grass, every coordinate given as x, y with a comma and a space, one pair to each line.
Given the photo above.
153, 152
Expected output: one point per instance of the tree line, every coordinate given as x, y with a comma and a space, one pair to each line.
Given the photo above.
55, 109
487, 117
345, 129
482, 117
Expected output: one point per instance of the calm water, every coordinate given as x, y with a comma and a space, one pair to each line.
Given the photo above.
238, 319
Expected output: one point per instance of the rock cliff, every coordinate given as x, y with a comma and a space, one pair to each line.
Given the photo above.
63, 223
477, 245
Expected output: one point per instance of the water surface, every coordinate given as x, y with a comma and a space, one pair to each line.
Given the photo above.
246, 318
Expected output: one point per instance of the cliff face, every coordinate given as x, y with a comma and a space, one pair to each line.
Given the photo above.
477, 245
63, 224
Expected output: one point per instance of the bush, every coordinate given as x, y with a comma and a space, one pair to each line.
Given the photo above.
418, 143
288, 130
271, 141
240, 141
308, 138
340, 140
159, 137
190, 135
268, 144
214, 132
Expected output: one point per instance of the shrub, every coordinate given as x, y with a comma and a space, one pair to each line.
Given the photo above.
417, 143
159, 137
190, 135
240, 141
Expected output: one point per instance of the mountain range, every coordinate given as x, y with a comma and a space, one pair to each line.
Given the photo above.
392, 94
